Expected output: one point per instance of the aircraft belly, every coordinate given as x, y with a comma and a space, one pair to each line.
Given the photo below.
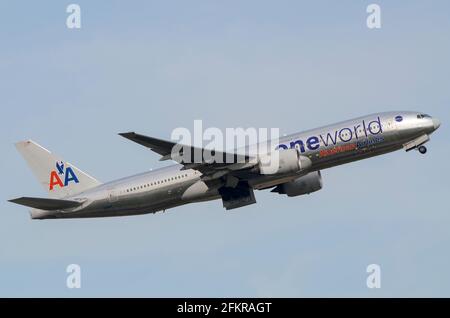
133, 204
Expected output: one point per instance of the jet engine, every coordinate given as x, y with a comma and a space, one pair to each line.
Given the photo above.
304, 185
283, 162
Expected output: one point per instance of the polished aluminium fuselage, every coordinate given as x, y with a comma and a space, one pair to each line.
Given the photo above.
326, 147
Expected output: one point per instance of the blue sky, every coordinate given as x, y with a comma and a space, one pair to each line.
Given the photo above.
153, 66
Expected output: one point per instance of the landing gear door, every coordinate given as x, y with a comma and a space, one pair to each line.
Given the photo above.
237, 197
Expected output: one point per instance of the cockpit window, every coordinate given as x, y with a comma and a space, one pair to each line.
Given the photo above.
420, 116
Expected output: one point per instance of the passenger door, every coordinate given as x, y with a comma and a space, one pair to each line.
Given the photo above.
112, 195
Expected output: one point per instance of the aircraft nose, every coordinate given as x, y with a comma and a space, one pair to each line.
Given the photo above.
436, 123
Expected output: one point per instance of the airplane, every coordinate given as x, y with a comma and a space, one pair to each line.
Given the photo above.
75, 194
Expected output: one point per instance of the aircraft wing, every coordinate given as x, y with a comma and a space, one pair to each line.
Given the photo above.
160, 146
230, 161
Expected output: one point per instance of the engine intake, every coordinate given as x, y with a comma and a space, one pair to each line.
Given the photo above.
304, 185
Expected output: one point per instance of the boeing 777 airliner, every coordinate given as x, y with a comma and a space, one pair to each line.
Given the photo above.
75, 194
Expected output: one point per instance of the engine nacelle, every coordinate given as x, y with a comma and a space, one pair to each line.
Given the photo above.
283, 162
304, 185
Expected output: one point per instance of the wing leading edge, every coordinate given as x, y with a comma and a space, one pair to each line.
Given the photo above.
174, 151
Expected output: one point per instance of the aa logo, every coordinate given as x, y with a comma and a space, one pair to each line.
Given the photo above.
56, 176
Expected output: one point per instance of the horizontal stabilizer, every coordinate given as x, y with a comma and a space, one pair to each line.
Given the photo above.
46, 204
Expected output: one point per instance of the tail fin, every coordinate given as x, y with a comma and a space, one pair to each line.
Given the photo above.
59, 178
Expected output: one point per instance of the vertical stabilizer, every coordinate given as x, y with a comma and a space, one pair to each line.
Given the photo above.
58, 177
